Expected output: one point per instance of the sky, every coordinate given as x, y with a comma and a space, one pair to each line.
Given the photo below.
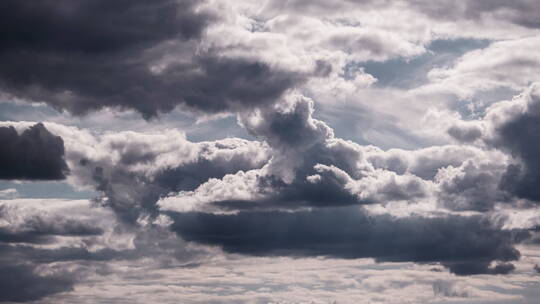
214, 151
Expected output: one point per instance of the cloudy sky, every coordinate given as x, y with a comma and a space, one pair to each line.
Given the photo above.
215, 151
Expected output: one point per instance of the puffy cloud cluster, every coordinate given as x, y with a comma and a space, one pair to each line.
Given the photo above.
309, 167
133, 170
510, 126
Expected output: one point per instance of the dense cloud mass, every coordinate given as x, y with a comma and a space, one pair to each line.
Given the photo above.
35, 154
348, 233
29, 286
84, 55
269, 152
518, 135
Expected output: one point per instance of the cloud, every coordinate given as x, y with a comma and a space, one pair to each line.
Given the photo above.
8, 193
297, 189
349, 233
510, 64
207, 160
516, 135
309, 167
519, 12
35, 154
132, 170
49, 246
127, 55
473, 185
24, 274
509, 126
449, 289
26, 225
22, 283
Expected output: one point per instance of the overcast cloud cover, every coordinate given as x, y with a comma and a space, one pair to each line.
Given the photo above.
179, 151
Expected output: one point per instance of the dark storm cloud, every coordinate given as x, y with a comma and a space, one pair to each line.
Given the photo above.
35, 154
84, 55
466, 245
21, 283
519, 135
96, 26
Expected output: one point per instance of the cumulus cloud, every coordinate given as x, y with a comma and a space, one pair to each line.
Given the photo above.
510, 126
507, 127
35, 154
516, 134
309, 167
132, 170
